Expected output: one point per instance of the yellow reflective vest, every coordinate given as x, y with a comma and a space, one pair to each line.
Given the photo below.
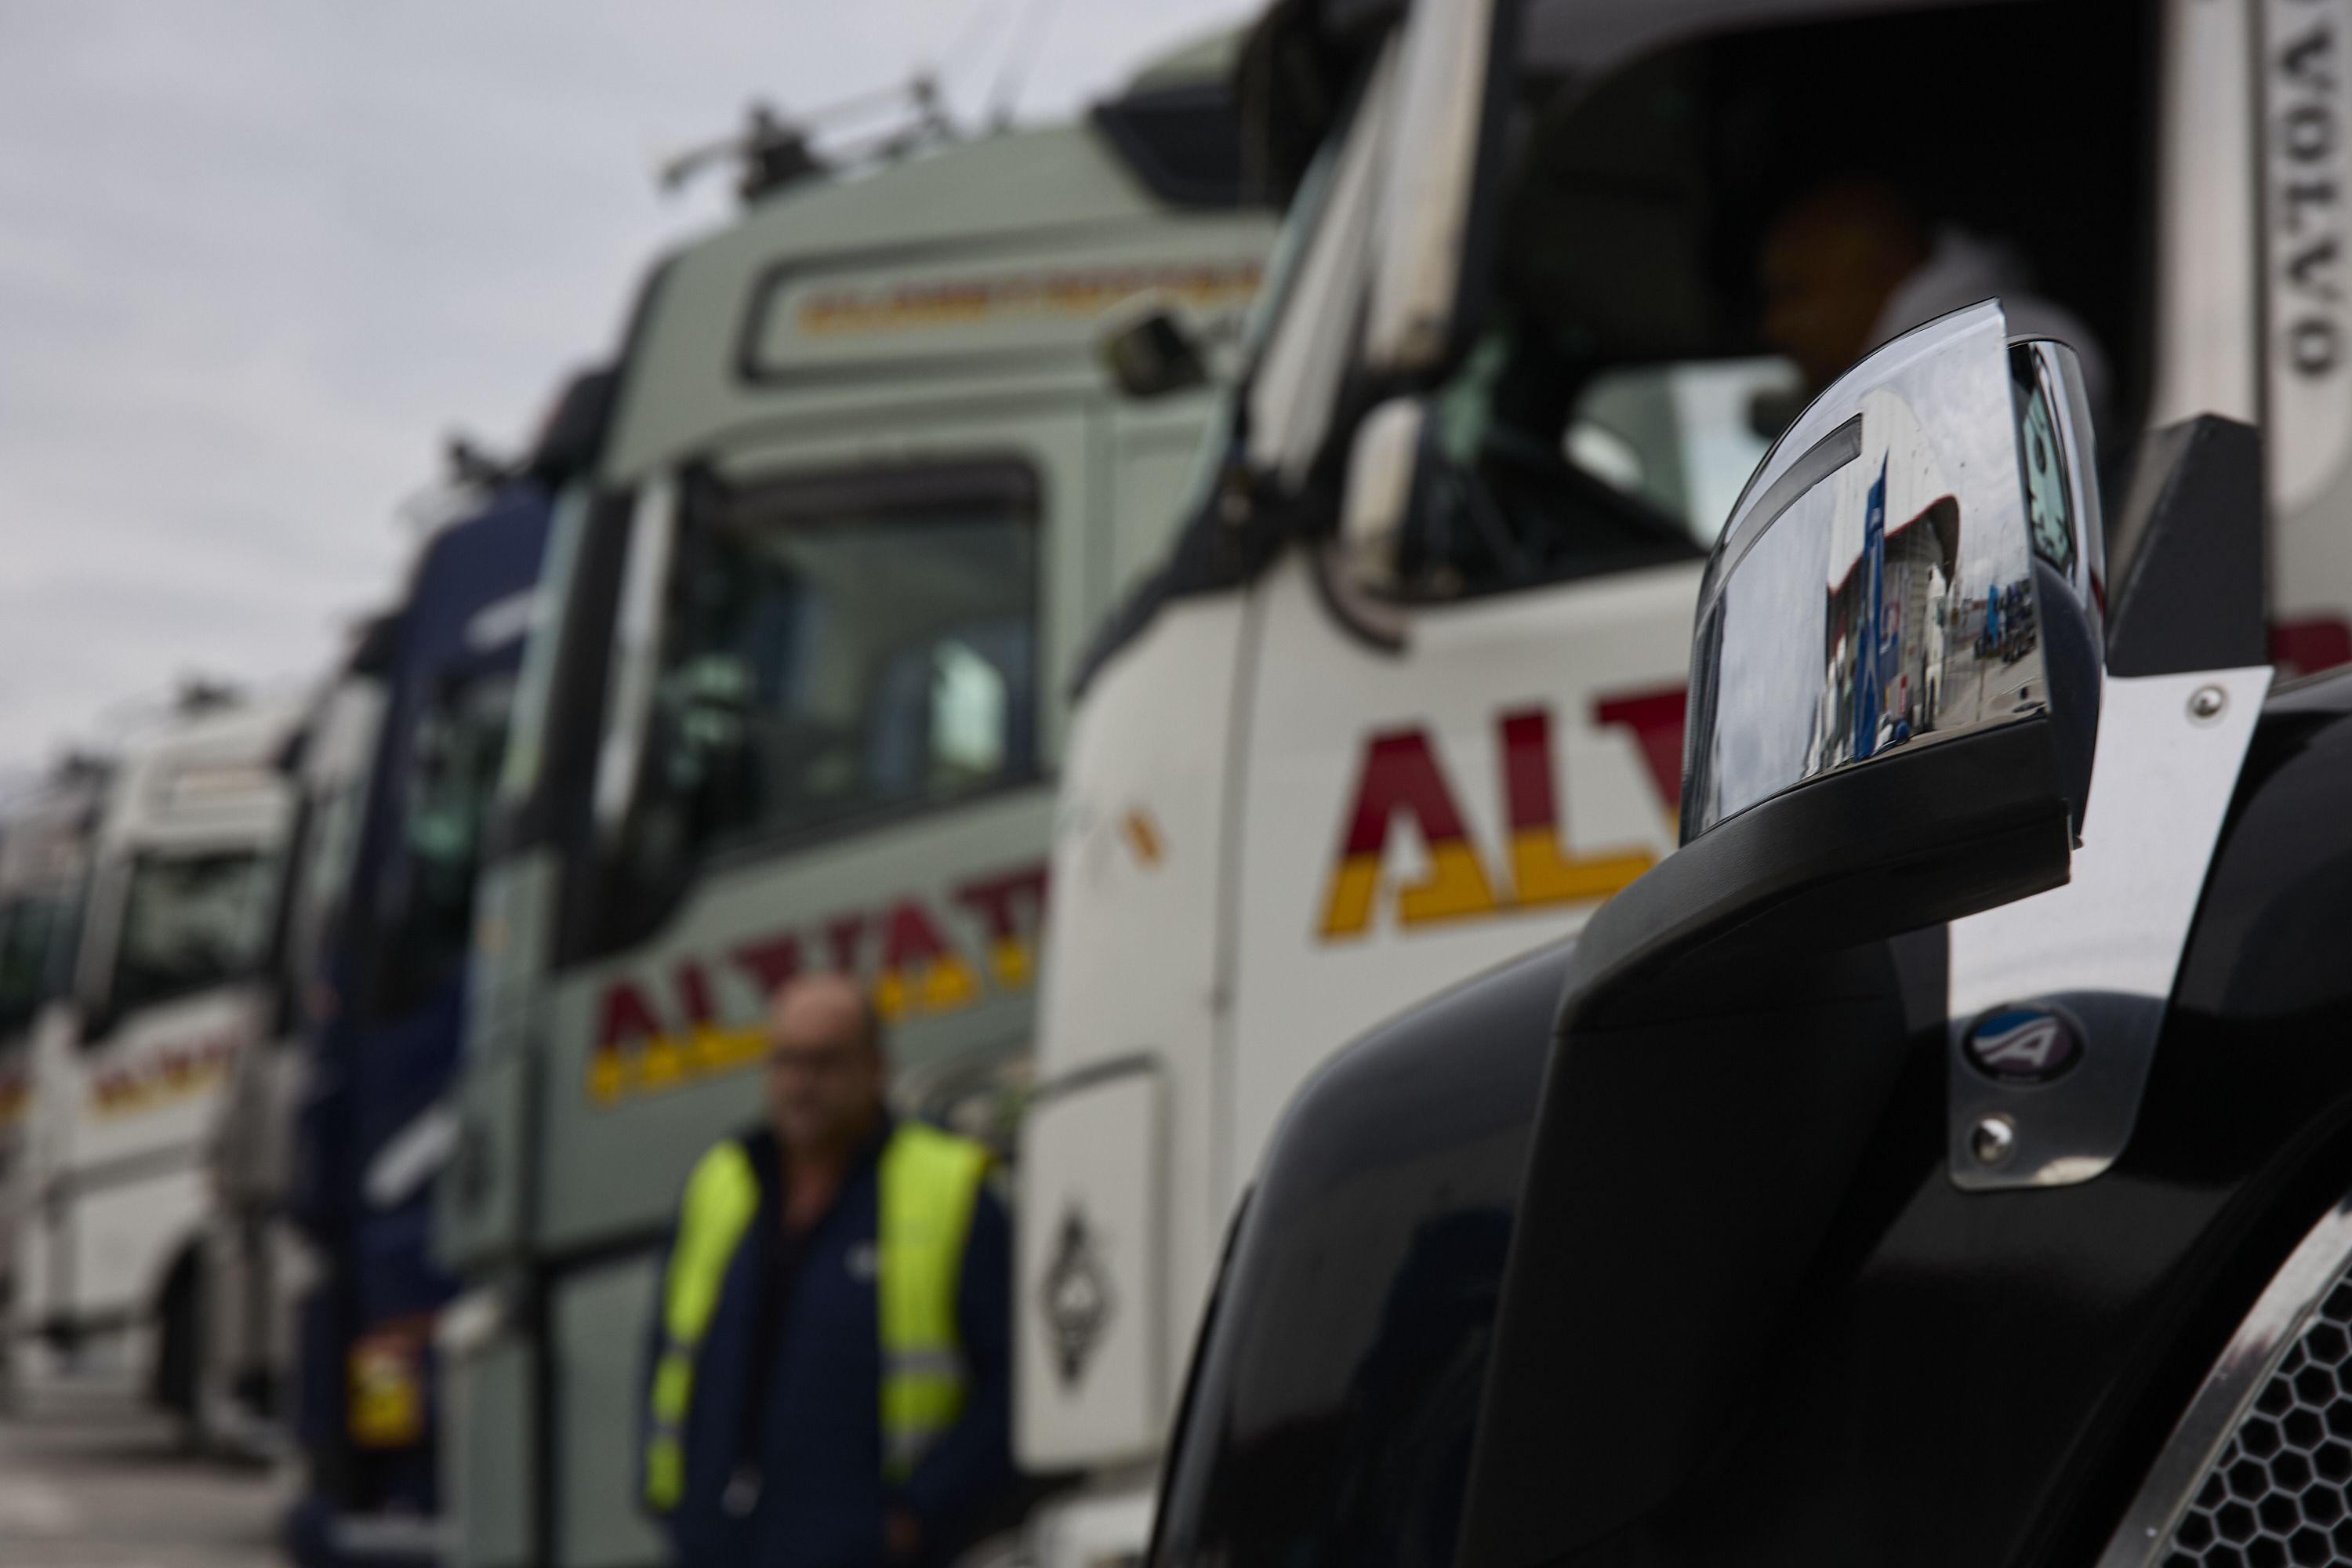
929, 1183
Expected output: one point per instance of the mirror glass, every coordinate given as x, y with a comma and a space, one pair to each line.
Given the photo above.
1889, 577
1150, 354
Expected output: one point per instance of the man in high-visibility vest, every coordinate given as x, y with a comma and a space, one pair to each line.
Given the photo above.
830, 1377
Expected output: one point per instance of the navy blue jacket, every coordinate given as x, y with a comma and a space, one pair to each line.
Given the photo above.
821, 1496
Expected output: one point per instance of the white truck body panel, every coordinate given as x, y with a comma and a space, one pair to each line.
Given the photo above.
45, 847
1248, 731
125, 1113
1096, 1173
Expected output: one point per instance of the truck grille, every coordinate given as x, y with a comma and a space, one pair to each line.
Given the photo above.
2280, 1491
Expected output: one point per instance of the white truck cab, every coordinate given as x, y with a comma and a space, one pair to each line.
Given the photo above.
44, 843
128, 1080
1406, 700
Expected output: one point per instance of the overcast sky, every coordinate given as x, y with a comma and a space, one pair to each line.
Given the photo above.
256, 258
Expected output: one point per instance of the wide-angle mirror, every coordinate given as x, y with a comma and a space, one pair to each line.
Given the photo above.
1446, 126
1916, 560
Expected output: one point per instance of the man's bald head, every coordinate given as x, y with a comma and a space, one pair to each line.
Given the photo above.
825, 1064
1830, 261
824, 1007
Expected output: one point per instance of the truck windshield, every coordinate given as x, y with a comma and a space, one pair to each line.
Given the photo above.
1702, 221
840, 646
325, 840
453, 768
30, 930
190, 921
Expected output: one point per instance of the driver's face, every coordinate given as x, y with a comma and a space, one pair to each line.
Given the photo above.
1827, 276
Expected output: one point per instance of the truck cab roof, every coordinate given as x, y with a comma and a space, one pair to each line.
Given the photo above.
205, 777
942, 275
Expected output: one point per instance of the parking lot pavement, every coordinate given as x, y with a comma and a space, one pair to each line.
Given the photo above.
94, 1483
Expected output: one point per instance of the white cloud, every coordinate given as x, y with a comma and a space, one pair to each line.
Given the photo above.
258, 256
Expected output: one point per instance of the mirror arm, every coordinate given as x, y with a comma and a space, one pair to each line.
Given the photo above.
1362, 628
1833, 862
1745, 981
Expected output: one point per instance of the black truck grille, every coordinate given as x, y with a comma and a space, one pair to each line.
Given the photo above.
2280, 1493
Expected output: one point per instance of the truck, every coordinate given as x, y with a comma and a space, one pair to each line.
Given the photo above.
44, 835
1939, 1159
127, 1076
794, 696
376, 999
254, 1269
1407, 698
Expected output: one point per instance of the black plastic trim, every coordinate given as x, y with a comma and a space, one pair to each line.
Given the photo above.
1200, 164
2189, 545
1730, 1029
1908, 840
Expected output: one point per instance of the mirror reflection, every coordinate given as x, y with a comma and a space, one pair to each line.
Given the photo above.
1880, 582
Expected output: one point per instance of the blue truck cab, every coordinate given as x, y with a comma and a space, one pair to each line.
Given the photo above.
383, 1034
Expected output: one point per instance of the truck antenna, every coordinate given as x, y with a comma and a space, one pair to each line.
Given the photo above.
1028, 38
773, 150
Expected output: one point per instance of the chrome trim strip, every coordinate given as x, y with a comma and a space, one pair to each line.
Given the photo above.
2103, 949
2213, 1415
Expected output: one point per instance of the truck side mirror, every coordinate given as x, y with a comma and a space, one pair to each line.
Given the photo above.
1444, 141
1897, 666
1385, 467
1151, 352
1894, 686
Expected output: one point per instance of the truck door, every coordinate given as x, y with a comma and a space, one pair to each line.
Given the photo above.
1419, 807
1457, 754
830, 722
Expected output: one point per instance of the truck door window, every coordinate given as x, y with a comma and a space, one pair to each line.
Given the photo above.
1626, 373
835, 649
190, 921
324, 848
30, 929
453, 759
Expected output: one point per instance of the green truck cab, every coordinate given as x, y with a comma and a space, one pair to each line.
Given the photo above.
794, 698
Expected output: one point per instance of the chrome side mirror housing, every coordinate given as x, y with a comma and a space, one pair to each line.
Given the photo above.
1896, 667
1917, 561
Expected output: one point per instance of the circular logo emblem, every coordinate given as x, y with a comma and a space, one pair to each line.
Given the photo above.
2024, 1045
